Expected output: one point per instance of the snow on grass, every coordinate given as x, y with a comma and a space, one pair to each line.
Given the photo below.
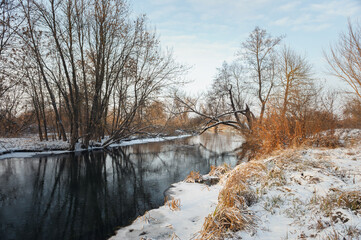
31, 143
311, 193
196, 202
31, 146
320, 197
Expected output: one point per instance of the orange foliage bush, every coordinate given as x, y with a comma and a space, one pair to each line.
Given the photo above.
279, 131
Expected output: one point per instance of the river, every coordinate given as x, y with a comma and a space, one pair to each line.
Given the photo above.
89, 195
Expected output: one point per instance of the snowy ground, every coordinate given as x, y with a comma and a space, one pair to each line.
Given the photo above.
305, 196
31, 146
196, 202
311, 193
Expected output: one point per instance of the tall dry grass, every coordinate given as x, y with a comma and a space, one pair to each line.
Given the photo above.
279, 131
231, 213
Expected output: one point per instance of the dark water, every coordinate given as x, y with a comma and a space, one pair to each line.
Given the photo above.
89, 195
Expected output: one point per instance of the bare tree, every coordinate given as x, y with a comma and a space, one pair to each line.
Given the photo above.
225, 103
97, 63
344, 58
259, 51
295, 78
9, 23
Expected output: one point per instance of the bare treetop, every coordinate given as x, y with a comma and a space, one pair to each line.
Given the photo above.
258, 50
344, 58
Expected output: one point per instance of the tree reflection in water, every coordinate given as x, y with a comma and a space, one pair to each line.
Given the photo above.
88, 195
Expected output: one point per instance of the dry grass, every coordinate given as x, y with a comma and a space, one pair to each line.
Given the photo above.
333, 236
344, 199
320, 140
146, 218
350, 232
173, 204
193, 177
175, 237
351, 200
231, 213
220, 170
274, 177
278, 131
223, 219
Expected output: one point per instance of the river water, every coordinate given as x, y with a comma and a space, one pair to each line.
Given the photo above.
90, 195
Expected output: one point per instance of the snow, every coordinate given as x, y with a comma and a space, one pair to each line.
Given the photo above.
196, 202
298, 209
31, 146
292, 207
10, 147
148, 140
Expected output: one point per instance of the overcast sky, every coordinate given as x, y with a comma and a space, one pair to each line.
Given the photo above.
204, 33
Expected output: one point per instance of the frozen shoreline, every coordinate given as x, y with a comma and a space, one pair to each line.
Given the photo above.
196, 202
292, 195
31, 146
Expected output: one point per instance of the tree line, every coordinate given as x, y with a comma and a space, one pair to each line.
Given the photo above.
271, 95
87, 68
87, 63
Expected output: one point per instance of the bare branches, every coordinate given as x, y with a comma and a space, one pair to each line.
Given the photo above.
99, 67
295, 78
259, 51
344, 58
213, 120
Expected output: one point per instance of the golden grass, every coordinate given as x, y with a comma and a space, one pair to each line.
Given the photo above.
327, 141
231, 213
278, 131
173, 204
226, 218
220, 170
175, 237
193, 177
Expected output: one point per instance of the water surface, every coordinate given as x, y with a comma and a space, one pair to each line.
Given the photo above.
89, 195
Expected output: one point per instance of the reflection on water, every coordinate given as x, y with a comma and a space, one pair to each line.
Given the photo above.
87, 196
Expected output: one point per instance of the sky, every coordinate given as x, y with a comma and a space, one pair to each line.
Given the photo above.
204, 33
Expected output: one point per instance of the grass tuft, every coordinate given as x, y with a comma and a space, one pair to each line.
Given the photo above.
173, 204
351, 200
231, 213
194, 177
220, 170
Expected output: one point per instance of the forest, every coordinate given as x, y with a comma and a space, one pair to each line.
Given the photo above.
82, 70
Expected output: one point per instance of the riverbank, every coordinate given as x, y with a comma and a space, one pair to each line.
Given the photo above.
31, 146
303, 193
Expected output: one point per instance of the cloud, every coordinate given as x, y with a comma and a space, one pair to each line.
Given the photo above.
317, 17
204, 56
345, 8
289, 6
285, 21
204, 33
231, 10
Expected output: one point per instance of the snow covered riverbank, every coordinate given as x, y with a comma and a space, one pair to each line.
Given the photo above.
181, 222
31, 146
305, 193
309, 194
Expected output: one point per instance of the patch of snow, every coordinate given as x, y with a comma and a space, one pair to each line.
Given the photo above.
196, 202
296, 210
148, 140
31, 146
